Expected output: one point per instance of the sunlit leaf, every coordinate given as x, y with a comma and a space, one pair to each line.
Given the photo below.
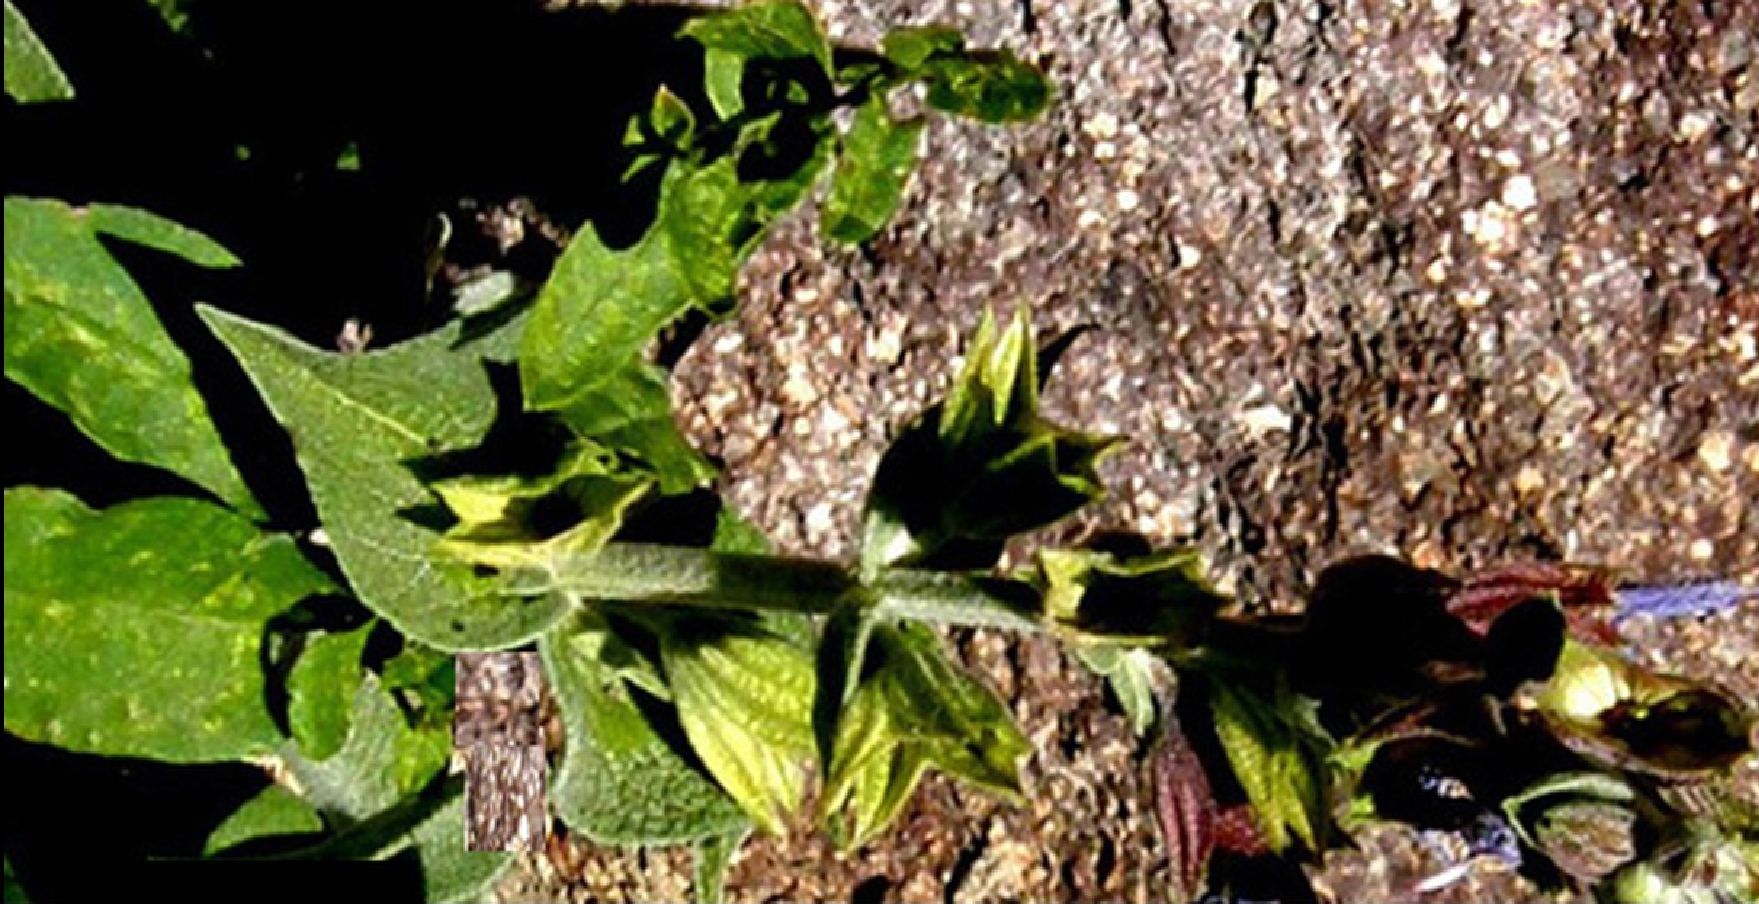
358, 422
1277, 761
32, 75
321, 690
912, 710
771, 29
137, 630
980, 467
1160, 599
744, 698
81, 336
276, 811
874, 163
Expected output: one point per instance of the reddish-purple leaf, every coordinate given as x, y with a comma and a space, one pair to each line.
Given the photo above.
1584, 592
1186, 808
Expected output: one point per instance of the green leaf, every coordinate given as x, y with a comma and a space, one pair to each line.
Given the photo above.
1131, 673
619, 782
744, 698
276, 811
321, 690
723, 75
912, 46
582, 352
713, 856
357, 421
499, 516
775, 30
594, 316
383, 760
136, 631
371, 787
914, 709
1159, 599
451, 874
32, 75
633, 413
877, 156
990, 86
82, 337
980, 467
1275, 759
149, 230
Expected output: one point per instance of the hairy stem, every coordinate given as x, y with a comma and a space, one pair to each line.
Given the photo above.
682, 576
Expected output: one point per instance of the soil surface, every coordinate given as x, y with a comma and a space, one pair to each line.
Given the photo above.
1469, 281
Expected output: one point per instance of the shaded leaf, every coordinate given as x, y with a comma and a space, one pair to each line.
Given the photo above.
136, 630
619, 782
991, 86
980, 467
744, 698
32, 75
1160, 599
773, 29
912, 710
1619, 714
873, 168
276, 811
82, 337
321, 691
357, 422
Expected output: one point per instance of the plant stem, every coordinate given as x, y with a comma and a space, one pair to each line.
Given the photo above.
684, 576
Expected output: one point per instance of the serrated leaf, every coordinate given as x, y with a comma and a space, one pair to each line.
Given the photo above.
357, 422
744, 698
913, 710
877, 156
619, 782
913, 46
582, 352
498, 516
82, 337
980, 467
321, 690
136, 630
1274, 760
776, 30
275, 811
989, 86
1160, 599
32, 75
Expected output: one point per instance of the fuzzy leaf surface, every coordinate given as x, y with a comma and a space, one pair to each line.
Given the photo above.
357, 423
619, 782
